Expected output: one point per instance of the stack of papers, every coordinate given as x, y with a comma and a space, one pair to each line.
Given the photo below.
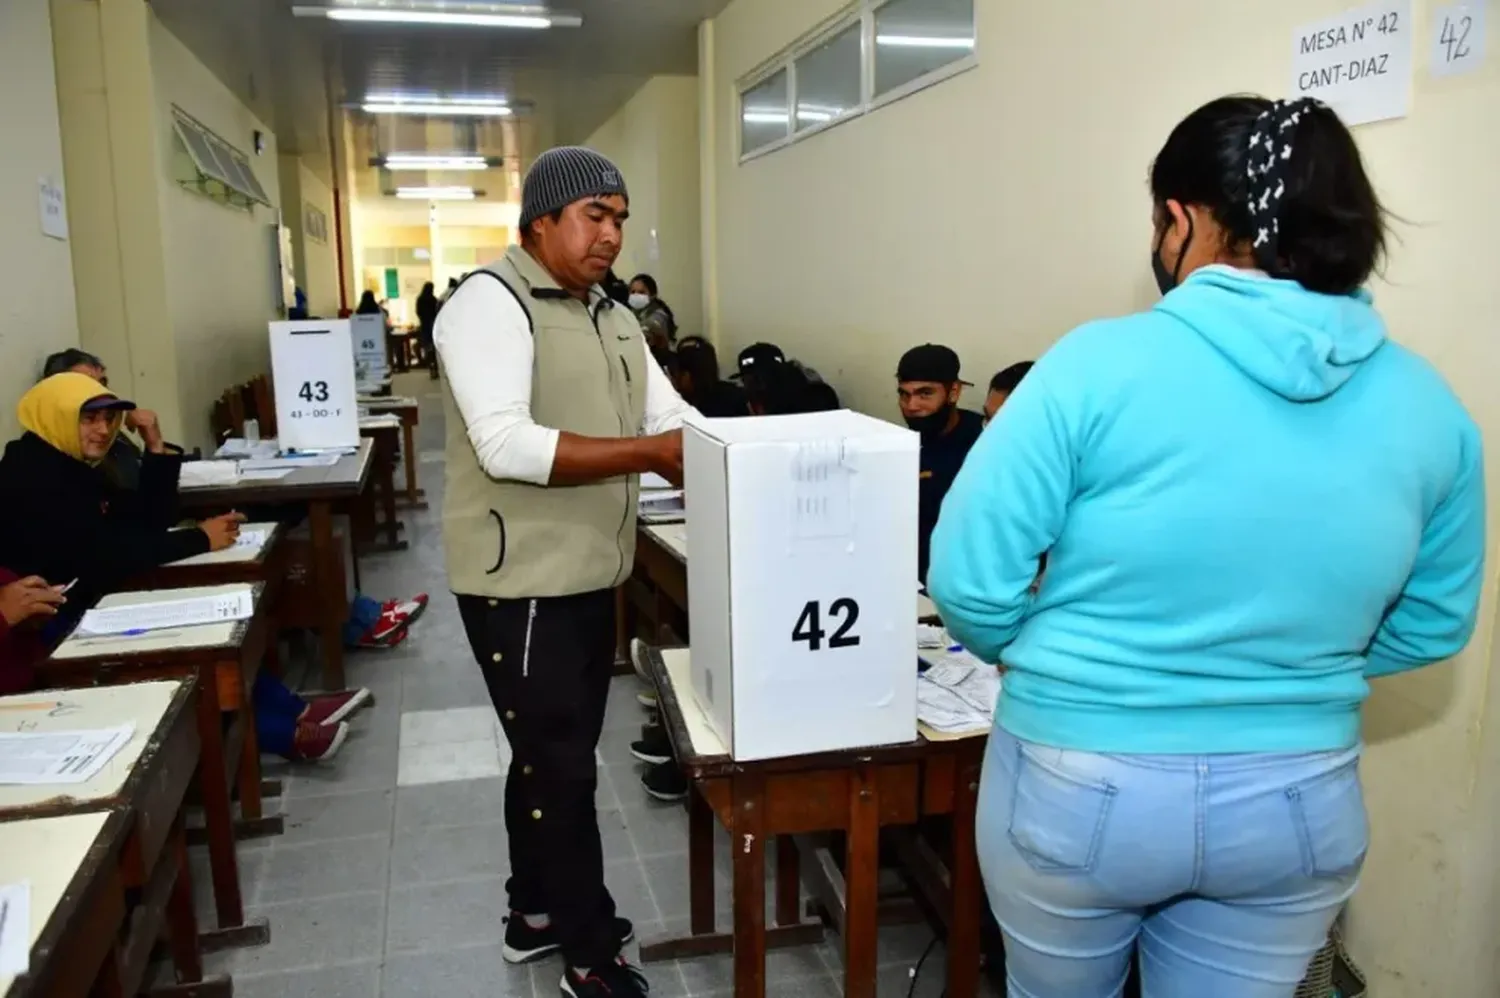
661, 505
957, 693
163, 609
39, 757
239, 447
208, 474
289, 462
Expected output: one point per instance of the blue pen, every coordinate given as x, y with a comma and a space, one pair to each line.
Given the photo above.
133, 632
955, 647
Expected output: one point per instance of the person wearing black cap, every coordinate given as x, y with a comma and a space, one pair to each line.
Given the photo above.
777, 386
554, 409
928, 387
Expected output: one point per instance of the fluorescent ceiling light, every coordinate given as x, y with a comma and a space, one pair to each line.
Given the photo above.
438, 108
764, 117
924, 42
435, 193
469, 15
420, 161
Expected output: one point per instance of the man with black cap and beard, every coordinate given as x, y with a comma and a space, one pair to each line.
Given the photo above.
928, 387
554, 409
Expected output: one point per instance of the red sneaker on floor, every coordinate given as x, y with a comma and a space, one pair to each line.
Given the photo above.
383, 635
331, 708
405, 611
317, 742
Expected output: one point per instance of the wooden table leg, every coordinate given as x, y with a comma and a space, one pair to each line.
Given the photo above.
182, 921
325, 567
409, 459
387, 468
700, 864
861, 878
965, 888
748, 845
249, 763
213, 788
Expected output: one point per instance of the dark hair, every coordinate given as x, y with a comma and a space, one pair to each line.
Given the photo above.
66, 360
647, 280
367, 304
1332, 225
427, 290
1007, 380
697, 358
617, 290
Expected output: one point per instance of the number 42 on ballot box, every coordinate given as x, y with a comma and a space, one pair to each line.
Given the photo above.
312, 367
802, 561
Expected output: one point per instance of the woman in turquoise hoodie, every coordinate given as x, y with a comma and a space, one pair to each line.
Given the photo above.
1252, 503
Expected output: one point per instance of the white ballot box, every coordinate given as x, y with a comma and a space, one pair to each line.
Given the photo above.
367, 333
802, 545
312, 366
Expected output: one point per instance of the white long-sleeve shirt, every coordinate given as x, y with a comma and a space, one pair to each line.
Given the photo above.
484, 338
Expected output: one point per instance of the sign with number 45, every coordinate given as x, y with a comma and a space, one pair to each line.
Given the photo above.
312, 366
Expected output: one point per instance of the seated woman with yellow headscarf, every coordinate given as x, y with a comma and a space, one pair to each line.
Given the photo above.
65, 520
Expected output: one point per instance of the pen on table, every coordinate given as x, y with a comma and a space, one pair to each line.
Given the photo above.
953, 648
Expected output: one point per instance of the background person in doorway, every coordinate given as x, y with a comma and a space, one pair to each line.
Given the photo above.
547, 437
1254, 503
427, 310
928, 387
1001, 386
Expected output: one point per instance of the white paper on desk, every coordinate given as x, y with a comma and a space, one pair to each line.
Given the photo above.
155, 614
31, 757
236, 447
207, 474
252, 538
265, 474
15, 929
651, 480
958, 692
321, 460
669, 502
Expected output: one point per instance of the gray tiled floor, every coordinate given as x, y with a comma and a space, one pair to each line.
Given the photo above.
376, 890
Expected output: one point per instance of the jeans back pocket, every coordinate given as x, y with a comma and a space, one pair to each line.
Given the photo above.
1057, 819
1328, 812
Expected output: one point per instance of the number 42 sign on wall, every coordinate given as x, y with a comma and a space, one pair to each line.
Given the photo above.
312, 365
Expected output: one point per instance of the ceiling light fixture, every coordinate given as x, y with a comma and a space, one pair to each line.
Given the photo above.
438, 108
467, 15
924, 42
420, 161
436, 193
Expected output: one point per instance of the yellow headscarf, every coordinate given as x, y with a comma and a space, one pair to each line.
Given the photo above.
51, 410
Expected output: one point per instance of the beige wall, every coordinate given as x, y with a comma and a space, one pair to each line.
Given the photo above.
316, 262
653, 139
37, 311
220, 261
998, 209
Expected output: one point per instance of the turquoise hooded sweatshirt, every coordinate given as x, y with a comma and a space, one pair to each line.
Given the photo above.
1251, 502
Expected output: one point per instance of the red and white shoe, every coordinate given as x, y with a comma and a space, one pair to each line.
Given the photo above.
331, 708
385, 634
405, 610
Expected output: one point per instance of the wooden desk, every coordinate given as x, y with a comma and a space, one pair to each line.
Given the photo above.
222, 661
77, 901
857, 792
147, 781
382, 431
657, 589
410, 413
324, 490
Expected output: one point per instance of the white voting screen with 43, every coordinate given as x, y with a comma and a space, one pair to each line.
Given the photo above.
312, 365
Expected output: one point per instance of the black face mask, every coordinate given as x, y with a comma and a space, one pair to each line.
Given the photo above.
1166, 279
934, 423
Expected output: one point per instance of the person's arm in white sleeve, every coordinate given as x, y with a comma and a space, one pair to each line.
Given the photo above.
665, 409
483, 336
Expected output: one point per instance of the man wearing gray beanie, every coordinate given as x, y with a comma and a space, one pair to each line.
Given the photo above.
554, 410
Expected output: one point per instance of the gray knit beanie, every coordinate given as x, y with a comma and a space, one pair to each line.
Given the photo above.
566, 174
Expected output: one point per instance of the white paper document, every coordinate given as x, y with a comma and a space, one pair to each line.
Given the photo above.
958, 692
666, 504
255, 538
651, 480
15, 929
166, 611
265, 474
323, 459
239, 447
31, 757
208, 474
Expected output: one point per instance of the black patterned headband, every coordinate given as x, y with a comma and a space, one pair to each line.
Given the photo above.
1269, 153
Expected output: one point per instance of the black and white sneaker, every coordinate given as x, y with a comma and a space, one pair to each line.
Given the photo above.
646, 697
655, 748
666, 782
617, 980
523, 944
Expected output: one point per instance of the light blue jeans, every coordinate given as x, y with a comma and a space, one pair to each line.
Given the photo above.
1227, 870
